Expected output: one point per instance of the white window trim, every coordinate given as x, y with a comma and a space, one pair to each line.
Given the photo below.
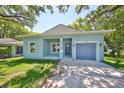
29, 47
97, 47
51, 47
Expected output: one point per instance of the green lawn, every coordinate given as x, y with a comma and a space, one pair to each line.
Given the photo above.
115, 62
19, 72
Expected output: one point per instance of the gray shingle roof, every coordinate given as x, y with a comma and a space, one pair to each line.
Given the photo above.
61, 29
67, 30
9, 41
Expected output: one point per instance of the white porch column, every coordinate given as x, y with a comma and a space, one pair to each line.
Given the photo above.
61, 48
13, 51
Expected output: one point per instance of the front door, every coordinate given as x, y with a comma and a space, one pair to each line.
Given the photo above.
67, 49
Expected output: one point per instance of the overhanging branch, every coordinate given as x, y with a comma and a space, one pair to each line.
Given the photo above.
113, 8
17, 15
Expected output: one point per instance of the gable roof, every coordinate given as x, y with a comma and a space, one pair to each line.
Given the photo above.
61, 29
9, 41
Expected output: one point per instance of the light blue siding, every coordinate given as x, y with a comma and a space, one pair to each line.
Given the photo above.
39, 48
92, 37
44, 44
47, 47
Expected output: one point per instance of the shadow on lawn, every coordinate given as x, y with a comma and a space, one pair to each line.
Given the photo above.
30, 78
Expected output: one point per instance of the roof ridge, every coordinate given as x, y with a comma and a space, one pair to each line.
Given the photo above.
58, 25
50, 29
70, 27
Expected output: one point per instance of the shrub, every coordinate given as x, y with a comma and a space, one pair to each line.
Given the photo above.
5, 51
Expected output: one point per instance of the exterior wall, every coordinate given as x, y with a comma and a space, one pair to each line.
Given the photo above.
47, 47
43, 44
39, 48
95, 37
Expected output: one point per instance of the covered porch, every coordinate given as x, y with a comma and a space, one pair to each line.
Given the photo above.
58, 48
10, 47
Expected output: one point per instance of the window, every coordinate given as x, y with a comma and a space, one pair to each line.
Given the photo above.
55, 47
32, 47
19, 49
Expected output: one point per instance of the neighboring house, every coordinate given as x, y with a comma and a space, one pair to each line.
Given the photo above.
63, 41
16, 47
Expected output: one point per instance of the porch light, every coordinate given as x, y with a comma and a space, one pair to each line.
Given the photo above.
100, 45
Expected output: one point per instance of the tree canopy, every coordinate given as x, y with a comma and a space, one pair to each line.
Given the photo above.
15, 19
104, 18
82, 24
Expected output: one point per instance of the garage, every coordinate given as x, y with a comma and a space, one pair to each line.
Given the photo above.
86, 51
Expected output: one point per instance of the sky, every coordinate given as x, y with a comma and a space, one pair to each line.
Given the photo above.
48, 20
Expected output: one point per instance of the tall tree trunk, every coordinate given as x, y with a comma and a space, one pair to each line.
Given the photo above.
118, 53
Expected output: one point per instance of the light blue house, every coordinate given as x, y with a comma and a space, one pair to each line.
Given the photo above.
62, 42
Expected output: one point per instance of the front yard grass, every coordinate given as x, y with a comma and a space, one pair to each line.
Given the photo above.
23, 73
115, 62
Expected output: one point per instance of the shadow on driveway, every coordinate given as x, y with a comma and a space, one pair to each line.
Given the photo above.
85, 75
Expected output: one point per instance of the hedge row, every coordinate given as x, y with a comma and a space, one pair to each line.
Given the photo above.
5, 50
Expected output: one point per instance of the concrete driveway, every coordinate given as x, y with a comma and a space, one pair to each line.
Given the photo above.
84, 74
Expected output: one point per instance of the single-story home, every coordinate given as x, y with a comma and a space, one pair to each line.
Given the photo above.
15, 46
63, 41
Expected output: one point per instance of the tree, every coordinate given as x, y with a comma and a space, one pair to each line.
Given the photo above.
15, 19
115, 40
104, 18
103, 10
81, 24
113, 20
25, 15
